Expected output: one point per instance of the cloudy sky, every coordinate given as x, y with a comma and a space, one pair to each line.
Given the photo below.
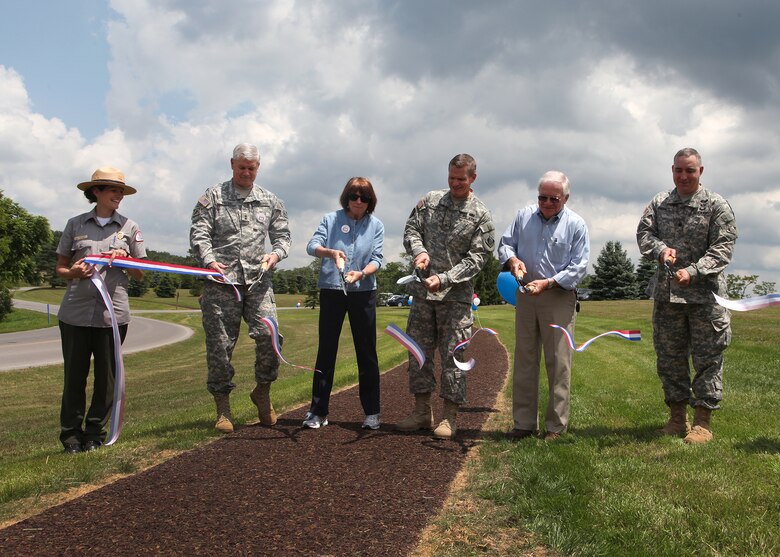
605, 91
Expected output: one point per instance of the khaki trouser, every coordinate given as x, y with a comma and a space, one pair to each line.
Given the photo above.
532, 334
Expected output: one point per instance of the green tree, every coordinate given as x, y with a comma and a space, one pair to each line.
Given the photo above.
279, 281
312, 299
764, 288
485, 282
614, 277
197, 287
388, 275
644, 273
22, 235
137, 288
6, 305
737, 285
46, 261
166, 286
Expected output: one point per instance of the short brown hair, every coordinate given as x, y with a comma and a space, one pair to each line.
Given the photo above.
360, 186
464, 161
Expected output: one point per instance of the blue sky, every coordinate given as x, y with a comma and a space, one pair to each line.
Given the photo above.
605, 92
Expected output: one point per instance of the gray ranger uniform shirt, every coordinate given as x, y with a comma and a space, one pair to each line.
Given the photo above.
82, 305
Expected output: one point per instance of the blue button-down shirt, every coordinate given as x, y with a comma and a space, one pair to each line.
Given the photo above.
557, 248
361, 240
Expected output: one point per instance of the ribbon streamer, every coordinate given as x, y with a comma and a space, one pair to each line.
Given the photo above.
407, 342
467, 366
749, 304
146, 265
627, 335
118, 406
274, 328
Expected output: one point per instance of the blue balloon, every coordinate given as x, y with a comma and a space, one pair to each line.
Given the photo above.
507, 287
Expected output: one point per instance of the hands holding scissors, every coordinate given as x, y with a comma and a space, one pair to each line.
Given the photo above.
668, 257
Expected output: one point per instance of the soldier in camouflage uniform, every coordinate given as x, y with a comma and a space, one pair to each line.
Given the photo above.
691, 232
449, 234
230, 223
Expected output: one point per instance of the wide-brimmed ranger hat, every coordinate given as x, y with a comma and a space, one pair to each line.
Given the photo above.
107, 176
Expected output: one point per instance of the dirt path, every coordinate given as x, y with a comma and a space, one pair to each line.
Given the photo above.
282, 491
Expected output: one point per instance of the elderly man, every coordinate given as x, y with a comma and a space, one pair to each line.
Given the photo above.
690, 231
449, 234
230, 224
547, 245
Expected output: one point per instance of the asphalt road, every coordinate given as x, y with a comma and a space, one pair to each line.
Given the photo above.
42, 346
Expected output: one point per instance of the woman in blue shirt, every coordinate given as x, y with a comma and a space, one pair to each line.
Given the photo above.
349, 242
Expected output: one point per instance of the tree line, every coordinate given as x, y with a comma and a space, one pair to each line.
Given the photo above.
615, 278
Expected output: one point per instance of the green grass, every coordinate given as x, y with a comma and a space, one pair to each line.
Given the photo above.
167, 407
26, 320
149, 301
610, 487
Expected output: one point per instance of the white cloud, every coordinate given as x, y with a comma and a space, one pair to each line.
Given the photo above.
329, 90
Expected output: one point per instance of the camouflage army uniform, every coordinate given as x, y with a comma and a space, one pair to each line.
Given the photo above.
686, 320
458, 236
232, 231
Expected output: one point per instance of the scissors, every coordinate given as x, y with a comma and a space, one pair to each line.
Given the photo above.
520, 286
340, 266
669, 272
263, 269
414, 277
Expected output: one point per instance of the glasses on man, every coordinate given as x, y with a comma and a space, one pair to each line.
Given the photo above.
551, 198
363, 198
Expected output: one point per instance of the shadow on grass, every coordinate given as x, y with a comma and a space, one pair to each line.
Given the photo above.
760, 445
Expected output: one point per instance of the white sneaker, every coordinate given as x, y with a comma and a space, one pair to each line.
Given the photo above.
371, 422
313, 421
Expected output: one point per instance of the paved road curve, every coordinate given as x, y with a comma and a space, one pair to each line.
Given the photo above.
42, 346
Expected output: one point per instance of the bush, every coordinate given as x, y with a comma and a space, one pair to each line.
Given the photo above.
166, 287
6, 306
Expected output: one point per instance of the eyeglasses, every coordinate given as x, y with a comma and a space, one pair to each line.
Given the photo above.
363, 198
552, 199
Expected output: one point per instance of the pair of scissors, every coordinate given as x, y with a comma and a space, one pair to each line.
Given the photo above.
414, 277
520, 286
340, 266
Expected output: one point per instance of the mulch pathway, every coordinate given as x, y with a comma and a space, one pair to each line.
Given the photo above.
284, 490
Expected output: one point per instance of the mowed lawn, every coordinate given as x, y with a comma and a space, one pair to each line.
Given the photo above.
610, 487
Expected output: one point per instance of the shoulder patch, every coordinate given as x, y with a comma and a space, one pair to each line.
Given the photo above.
204, 201
138, 237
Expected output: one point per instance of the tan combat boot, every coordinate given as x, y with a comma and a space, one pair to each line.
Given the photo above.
447, 428
422, 415
678, 422
261, 396
224, 418
700, 432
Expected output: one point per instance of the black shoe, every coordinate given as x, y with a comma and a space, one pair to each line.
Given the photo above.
90, 446
72, 448
518, 434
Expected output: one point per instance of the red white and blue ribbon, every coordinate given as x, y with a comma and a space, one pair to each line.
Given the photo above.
749, 304
146, 265
274, 329
467, 366
627, 335
407, 342
118, 408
